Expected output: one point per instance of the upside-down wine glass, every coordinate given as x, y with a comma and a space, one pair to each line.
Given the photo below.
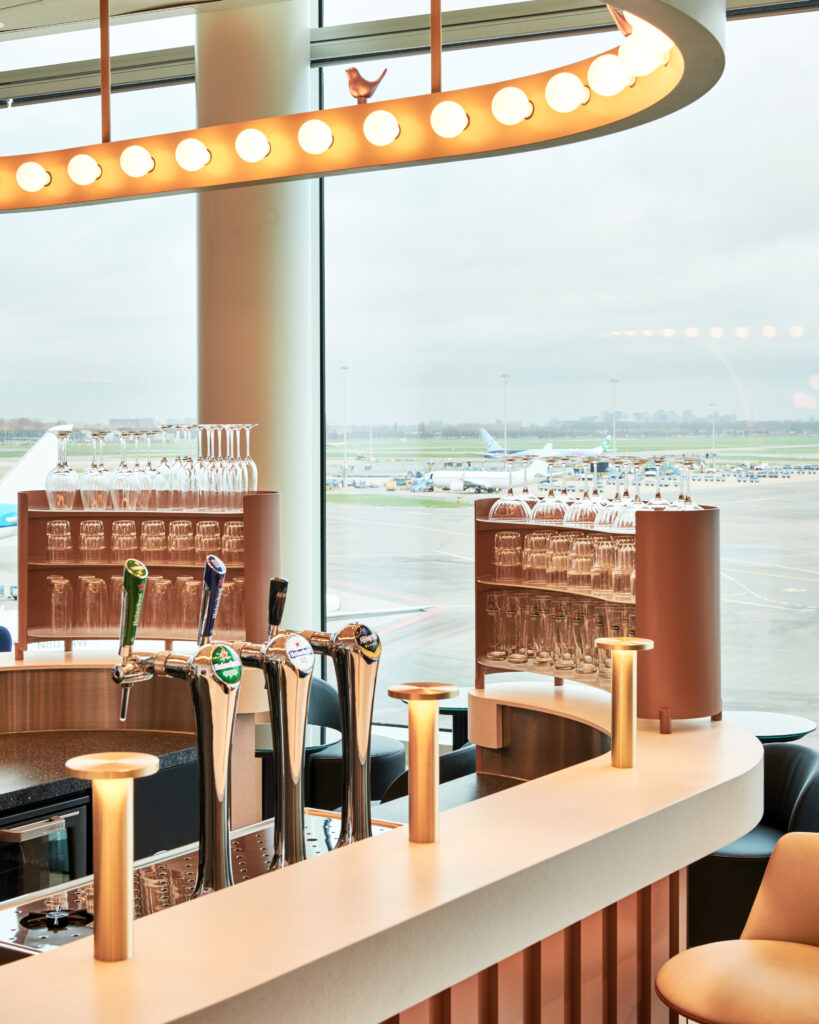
510, 507
62, 481
550, 510
95, 481
163, 484
249, 464
144, 495
124, 485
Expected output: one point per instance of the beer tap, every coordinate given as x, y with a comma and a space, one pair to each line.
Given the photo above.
214, 674
355, 651
287, 662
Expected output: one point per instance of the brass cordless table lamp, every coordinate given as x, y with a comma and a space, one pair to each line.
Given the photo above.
112, 793
422, 701
623, 694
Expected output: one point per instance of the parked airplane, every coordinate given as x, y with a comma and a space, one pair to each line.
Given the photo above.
495, 451
27, 475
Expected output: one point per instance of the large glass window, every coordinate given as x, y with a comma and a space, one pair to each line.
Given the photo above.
677, 259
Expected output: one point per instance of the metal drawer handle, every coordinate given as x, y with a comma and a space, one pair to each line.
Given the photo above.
35, 829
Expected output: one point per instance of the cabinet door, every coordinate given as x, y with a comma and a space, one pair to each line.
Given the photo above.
166, 810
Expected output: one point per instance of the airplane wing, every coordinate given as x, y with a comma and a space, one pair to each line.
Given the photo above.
28, 474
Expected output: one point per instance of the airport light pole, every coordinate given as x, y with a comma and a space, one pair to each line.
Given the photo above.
714, 432
506, 378
344, 370
614, 382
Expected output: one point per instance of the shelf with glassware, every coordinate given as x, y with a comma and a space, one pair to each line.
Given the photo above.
70, 568
544, 593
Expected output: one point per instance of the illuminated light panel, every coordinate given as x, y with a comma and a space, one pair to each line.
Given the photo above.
136, 161
797, 331
637, 61
192, 155
693, 67
769, 332
692, 332
448, 119
668, 332
742, 332
381, 128
315, 137
32, 177
511, 105
813, 380
83, 169
252, 145
565, 92
716, 332
608, 75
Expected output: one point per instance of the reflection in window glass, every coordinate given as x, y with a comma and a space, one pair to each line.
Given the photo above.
84, 44
347, 12
677, 258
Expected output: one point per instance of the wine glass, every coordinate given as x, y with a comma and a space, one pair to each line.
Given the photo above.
150, 471
232, 472
684, 502
584, 512
144, 495
189, 467
510, 507
179, 477
550, 509
250, 465
124, 485
95, 481
163, 484
62, 482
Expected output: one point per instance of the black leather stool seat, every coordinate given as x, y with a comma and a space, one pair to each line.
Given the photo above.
325, 785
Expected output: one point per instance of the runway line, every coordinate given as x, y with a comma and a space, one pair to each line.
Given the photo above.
412, 621
373, 590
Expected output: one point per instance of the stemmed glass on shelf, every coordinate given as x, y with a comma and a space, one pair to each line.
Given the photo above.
124, 484
584, 512
95, 481
550, 510
144, 495
684, 502
163, 482
510, 507
179, 477
150, 471
250, 467
62, 482
626, 520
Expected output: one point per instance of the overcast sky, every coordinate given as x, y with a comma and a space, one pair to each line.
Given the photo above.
533, 265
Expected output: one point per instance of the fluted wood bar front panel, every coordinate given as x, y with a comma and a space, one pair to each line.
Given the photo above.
598, 971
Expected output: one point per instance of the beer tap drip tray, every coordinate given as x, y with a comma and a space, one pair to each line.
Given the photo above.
63, 914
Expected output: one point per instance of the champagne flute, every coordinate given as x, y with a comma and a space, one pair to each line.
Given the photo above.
164, 481
249, 464
62, 482
95, 481
124, 485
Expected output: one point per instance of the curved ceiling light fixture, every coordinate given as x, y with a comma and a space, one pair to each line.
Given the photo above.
639, 80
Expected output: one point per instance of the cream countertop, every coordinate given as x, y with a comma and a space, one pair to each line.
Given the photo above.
374, 928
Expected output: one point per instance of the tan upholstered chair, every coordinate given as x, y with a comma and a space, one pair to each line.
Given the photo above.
771, 974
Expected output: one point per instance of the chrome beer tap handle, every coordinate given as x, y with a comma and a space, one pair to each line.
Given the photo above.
288, 669
356, 652
213, 580
133, 668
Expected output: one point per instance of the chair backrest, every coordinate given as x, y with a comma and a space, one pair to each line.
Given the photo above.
789, 767
323, 708
5, 640
452, 765
805, 817
786, 907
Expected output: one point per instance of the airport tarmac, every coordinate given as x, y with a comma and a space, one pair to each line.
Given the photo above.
407, 570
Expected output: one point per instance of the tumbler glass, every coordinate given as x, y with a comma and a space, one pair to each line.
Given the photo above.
61, 605
179, 588
518, 643
233, 543
536, 558
581, 560
189, 608
152, 541
562, 637
92, 541
180, 541
94, 614
601, 575
602, 627
58, 540
559, 547
623, 572
541, 625
495, 647
207, 541
507, 556
585, 653
124, 540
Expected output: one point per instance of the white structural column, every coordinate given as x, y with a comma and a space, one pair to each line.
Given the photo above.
258, 328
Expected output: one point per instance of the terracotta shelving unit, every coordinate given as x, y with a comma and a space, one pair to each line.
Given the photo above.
259, 513
676, 604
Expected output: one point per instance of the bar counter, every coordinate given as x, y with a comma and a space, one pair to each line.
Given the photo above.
373, 929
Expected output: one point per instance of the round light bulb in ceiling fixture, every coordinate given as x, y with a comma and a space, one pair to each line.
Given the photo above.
31, 176
742, 332
647, 37
136, 161
448, 119
636, 60
381, 128
83, 169
192, 155
769, 332
252, 145
511, 105
565, 92
608, 75
315, 136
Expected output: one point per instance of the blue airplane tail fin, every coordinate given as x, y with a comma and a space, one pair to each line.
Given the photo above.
491, 445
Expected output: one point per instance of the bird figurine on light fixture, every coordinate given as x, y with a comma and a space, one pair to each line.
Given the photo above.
360, 88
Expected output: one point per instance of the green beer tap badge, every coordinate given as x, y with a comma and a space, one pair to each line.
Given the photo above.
226, 664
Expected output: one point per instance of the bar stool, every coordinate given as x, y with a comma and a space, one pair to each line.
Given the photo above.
770, 975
